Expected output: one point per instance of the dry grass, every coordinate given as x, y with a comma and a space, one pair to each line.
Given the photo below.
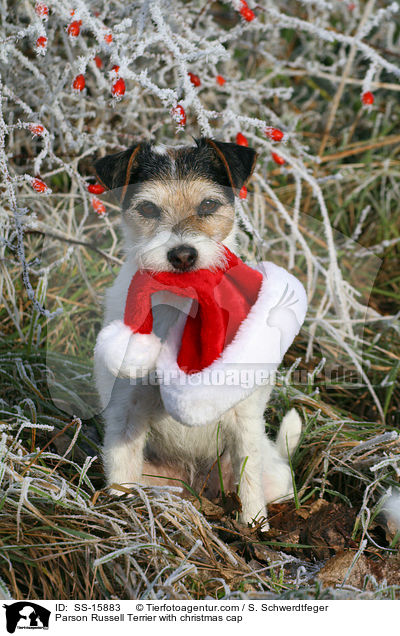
61, 535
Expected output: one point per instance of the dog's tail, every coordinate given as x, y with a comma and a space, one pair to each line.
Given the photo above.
288, 434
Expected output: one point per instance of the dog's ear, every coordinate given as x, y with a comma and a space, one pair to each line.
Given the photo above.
114, 171
238, 161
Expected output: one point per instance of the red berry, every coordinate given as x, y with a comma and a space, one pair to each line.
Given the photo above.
79, 83
246, 13
96, 188
74, 28
179, 115
351, 6
39, 186
36, 129
118, 88
108, 38
195, 79
72, 12
243, 192
98, 206
98, 61
41, 42
368, 98
220, 80
241, 140
115, 68
278, 159
274, 133
42, 11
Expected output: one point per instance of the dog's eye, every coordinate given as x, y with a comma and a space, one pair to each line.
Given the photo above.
148, 210
207, 207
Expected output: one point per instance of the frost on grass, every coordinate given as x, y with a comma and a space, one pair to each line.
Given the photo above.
86, 78
156, 48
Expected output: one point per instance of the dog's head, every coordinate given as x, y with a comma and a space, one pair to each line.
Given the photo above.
178, 202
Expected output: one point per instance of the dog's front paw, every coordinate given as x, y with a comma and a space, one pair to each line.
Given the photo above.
256, 517
126, 354
259, 522
264, 526
277, 483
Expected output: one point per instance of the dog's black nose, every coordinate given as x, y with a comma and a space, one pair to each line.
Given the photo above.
183, 257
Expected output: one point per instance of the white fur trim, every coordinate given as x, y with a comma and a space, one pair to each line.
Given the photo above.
124, 353
248, 361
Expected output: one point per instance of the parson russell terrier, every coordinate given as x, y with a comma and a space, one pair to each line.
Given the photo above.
191, 334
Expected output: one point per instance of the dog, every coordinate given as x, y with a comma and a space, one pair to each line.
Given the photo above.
178, 213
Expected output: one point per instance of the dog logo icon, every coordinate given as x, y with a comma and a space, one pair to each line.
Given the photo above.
26, 615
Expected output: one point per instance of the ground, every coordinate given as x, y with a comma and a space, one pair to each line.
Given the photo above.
61, 534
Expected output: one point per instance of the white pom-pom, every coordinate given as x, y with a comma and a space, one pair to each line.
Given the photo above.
127, 354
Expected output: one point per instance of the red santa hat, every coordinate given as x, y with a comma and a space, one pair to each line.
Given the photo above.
242, 319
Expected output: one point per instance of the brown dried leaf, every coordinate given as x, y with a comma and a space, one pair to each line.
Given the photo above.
335, 569
264, 554
208, 508
232, 503
306, 511
328, 530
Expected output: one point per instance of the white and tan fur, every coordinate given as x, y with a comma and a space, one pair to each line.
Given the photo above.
142, 442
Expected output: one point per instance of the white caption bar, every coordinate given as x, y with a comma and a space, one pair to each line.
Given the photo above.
175, 617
